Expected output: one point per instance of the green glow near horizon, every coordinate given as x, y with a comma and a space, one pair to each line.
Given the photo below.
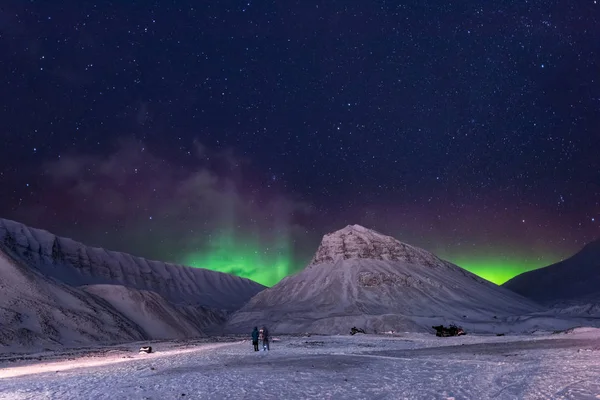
246, 257
227, 255
499, 270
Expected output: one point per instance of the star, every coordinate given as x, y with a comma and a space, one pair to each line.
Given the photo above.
220, 128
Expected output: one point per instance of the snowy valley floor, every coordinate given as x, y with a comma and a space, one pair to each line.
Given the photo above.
411, 366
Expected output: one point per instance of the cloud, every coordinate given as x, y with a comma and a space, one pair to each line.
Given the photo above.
133, 200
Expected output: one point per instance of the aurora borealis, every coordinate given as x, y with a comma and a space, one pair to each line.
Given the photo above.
234, 135
499, 269
244, 257
248, 260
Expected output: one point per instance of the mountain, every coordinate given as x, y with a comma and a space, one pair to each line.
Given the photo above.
56, 290
572, 283
38, 310
359, 277
76, 264
149, 310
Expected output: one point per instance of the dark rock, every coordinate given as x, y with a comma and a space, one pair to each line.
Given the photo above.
452, 330
356, 330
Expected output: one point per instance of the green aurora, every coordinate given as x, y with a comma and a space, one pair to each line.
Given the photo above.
249, 258
501, 269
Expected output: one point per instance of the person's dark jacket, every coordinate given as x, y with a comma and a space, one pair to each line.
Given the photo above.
266, 334
255, 334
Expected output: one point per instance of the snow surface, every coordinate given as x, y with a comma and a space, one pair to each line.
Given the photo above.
406, 366
362, 278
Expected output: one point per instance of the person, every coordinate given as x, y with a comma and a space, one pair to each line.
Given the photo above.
266, 338
255, 338
261, 337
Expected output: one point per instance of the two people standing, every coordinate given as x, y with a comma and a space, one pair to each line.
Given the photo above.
261, 336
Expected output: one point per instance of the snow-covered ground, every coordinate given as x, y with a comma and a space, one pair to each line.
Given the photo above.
410, 366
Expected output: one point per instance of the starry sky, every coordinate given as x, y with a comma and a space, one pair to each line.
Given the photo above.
233, 135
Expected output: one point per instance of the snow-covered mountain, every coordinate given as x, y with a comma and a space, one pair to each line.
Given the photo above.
572, 284
55, 290
76, 264
36, 310
157, 317
363, 278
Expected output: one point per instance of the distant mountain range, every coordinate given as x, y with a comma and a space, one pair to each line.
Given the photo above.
56, 290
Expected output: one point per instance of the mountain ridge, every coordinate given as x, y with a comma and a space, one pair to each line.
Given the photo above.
573, 281
76, 264
56, 291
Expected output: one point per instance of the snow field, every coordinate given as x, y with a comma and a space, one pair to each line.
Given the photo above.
334, 367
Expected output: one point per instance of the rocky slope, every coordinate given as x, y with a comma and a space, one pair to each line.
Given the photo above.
36, 310
153, 314
361, 277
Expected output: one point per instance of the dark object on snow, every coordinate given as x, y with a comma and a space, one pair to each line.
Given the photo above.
146, 349
356, 330
263, 337
255, 338
499, 334
452, 330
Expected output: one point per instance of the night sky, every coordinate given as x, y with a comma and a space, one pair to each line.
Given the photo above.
233, 135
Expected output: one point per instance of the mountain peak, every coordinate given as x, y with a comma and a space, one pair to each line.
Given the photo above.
358, 242
356, 230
